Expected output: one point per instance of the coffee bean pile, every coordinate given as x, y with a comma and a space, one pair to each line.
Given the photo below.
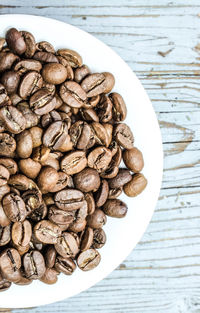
62, 139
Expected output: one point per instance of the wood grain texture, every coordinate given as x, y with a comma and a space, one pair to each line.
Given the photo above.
159, 40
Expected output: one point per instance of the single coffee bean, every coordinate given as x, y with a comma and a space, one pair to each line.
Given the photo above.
29, 167
22, 182
51, 161
60, 217
9, 164
50, 256
72, 94
14, 207
47, 178
100, 134
89, 115
65, 265
69, 199
46, 57
87, 239
124, 136
30, 43
4, 175
3, 191
102, 193
4, 235
40, 154
121, 179
62, 182
24, 66
6, 60
50, 276
55, 135
104, 109
133, 159
115, 193
115, 208
4, 284
99, 159
34, 265
42, 101
24, 144
10, 80
119, 107
97, 83
66, 245
81, 72
88, 259
47, 232
87, 180
97, 219
21, 233
99, 238
74, 162
15, 41
13, 119
137, 184
49, 118
4, 220
32, 200
36, 133
90, 202
10, 263
109, 129
39, 213
30, 83
73, 58
7, 145
45, 46
54, 73
31, 118
80, 134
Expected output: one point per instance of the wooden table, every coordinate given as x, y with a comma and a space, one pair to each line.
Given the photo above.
160, 40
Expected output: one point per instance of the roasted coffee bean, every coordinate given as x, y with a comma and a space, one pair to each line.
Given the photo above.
81, 72
99, 238
119, 107
47, 232
6, 60
36, 133
4, 284
35, 244
29, 167
89, 115
97, 83
40, 154
87, 180
22, 182
72, 57
55, 135
7, 145
137, 184
87, 239
30, 83
23, 279
15, 41
10, 263
13, 119
42, 101
51, 161
67, 246
49, 118
4, 99
109, 129
14, 207
115, 193
77, 226
88, 259
123, 135
74, 162
100, 134
46, 57
69, 199
50, 256
39, 213
10, 80
4, 220
31, 118
90, 202
4, 235
72, 94
30, 43
32, 200
115, 208
4, 175
59, 102
97, 219
4, 190
34, 265
60, 217
121, 179
24, 144
45, 46
47, 178
50, 276
99, 159
133, 159
62, 182
14, 99
102, 193
24, 66
80, 133
104, 109
65, 265
21, 233
54, 73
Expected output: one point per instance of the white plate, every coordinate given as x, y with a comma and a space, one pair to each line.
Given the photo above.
122, 234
